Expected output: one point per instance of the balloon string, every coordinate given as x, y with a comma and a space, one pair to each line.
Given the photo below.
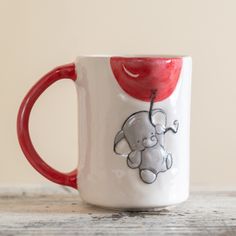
152, 98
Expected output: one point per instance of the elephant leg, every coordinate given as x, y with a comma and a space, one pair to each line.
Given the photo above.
134, 159
148, 176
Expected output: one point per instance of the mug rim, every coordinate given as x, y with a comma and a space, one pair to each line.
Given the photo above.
158, 56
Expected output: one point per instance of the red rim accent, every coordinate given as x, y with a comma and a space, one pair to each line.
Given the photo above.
61, 72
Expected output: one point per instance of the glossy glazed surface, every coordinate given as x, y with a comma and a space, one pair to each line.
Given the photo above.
104, 177
119, 104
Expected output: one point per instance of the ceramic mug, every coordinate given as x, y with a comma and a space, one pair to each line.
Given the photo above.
134, 123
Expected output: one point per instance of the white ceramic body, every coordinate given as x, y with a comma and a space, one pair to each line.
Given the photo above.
104, 178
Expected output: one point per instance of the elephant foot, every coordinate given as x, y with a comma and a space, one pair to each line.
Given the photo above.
169, 161
147, 176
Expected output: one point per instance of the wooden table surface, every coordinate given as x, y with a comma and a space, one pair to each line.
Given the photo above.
205, 213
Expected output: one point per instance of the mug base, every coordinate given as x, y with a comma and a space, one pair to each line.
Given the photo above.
135, 208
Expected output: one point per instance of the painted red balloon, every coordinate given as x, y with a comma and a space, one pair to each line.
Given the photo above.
140, 76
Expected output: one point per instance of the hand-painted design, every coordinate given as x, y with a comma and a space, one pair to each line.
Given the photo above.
139, 75
145, 134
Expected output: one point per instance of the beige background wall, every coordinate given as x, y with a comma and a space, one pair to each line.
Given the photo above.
35, 36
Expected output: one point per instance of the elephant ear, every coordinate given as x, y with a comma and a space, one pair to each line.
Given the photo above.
159, 117
121, 147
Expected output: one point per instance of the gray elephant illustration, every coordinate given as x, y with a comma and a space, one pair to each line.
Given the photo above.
144, 133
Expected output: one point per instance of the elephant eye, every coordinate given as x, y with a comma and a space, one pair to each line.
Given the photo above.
152, 133
138, 141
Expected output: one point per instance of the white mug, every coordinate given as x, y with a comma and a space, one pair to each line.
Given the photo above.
134, 125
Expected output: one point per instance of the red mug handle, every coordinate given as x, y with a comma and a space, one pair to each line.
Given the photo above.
61, 72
